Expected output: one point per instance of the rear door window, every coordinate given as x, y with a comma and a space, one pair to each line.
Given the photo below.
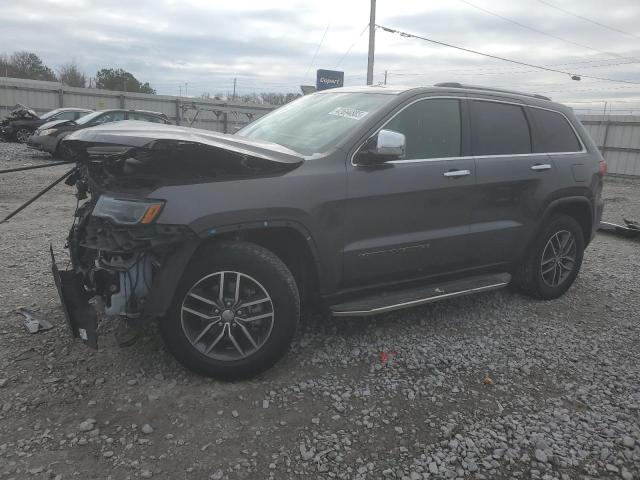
144, 117
499, 129
553, 133
431, 127
110, 117
69, 115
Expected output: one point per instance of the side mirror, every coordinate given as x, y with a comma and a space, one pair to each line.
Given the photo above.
387, 145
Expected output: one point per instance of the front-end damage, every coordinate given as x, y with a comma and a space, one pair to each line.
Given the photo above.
124, 261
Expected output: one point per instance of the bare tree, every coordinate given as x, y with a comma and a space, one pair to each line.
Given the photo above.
29, 65
70, 74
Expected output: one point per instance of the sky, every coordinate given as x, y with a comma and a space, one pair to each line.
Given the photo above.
196, 46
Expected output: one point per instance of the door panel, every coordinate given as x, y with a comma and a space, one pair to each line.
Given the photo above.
512, 182
508, 197
407, 218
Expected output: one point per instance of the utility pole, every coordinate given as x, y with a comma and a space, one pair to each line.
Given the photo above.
180, 87
385, 77
234, 88
186, 86
372, 42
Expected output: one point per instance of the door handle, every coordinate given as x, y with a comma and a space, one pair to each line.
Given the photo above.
541, 167
457, 173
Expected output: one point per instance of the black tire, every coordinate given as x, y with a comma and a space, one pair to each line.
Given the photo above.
529, 278
22, 135
257, 263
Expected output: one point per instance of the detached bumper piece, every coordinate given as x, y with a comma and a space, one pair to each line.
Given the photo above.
81, 316
631, 229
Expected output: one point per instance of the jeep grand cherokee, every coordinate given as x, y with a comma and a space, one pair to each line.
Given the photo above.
364, 199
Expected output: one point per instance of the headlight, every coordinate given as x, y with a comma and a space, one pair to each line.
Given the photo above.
49, 131
129, 212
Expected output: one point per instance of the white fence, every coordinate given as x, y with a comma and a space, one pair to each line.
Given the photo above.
617, 136
215, 115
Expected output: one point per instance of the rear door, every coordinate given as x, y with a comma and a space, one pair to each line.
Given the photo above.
512, 181
410, 218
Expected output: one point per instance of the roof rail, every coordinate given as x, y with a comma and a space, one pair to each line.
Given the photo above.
489, 89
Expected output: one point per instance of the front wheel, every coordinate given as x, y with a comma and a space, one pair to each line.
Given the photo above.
553, 262
234, 313
22, 135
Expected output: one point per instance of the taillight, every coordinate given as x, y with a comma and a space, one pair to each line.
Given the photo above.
603, 168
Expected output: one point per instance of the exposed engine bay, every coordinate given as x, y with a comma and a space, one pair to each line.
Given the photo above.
118, 251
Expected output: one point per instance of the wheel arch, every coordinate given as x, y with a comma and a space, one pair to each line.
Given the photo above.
578, 207
288, 240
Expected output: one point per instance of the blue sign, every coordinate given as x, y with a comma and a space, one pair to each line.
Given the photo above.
329, 79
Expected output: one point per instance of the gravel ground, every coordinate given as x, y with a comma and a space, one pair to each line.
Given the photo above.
493, 386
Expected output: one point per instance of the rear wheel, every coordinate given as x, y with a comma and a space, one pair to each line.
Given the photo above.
553, 262
235, 312
22, 135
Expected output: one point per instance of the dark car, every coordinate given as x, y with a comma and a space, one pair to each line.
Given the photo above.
22, 121
48, 137
362, 200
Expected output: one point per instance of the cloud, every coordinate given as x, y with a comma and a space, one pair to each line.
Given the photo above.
269, 46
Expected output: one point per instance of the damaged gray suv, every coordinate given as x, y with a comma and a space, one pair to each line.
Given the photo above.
361, 200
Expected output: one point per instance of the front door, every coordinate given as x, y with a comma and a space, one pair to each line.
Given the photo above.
410, 218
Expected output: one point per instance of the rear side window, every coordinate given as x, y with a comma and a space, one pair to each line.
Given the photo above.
145, 117
69, 115
554, 134
431, 128
499, 129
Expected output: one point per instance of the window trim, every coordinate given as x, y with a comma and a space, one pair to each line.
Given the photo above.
461, 99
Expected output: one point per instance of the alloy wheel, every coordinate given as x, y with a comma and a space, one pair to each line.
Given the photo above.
558, 258
227, 315
23, 135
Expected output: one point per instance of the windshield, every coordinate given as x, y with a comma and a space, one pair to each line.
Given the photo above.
49, 114
313, 123
87, 118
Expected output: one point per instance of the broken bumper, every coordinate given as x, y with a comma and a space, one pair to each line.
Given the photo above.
81, 316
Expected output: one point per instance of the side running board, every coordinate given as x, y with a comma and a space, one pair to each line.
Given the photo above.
396, 300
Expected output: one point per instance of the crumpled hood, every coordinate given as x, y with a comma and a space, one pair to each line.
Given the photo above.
139, 134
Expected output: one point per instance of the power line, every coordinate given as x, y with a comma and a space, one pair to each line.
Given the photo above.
468, 50
522, 25
509, 68
511, 72
586, 19
313, 59
352, 45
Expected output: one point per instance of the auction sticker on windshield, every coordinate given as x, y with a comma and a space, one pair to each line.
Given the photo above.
345, 112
